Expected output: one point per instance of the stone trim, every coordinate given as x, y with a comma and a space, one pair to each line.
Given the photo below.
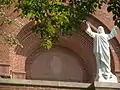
4, 64
18, 72
18, 75
59, 84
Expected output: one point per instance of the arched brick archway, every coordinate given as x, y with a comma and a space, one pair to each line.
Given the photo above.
79, 43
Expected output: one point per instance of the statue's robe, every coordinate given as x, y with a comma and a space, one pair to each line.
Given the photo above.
102, 53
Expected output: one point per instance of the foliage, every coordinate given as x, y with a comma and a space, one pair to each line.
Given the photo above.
55, 16
5, 19
114, 7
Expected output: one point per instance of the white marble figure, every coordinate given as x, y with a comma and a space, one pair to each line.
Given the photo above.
102, 53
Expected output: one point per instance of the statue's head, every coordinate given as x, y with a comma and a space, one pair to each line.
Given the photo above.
100, 30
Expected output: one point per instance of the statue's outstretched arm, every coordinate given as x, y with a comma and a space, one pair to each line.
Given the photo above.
113, 33
89, 31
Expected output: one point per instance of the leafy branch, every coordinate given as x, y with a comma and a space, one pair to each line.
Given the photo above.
52, 15
6, 19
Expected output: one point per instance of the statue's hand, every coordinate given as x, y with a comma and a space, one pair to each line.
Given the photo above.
84, 26
88, 24
116, 27
117, 30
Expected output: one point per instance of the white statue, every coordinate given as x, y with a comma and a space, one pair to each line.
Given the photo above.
102, 53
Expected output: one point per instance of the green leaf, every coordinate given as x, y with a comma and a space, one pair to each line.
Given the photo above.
109, 9
53, 14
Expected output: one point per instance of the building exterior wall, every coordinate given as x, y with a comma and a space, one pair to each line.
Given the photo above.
15, 62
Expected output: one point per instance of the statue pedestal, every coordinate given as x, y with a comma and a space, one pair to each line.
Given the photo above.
106, 86
107, 78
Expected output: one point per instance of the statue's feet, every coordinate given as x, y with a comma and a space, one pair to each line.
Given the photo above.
111, 78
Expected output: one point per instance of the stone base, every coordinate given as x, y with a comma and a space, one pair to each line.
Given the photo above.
10, 84
104, 86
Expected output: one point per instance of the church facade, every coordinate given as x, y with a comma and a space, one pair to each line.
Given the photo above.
71, 59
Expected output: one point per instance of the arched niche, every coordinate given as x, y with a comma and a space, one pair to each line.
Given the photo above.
59, 63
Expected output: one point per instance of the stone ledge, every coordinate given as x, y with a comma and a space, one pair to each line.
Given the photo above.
60, 84
106, 85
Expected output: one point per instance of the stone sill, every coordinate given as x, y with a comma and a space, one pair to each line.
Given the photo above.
59, 84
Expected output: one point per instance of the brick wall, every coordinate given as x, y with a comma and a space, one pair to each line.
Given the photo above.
79, 43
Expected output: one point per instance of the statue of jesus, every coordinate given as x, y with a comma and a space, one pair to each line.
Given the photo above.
102, 52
